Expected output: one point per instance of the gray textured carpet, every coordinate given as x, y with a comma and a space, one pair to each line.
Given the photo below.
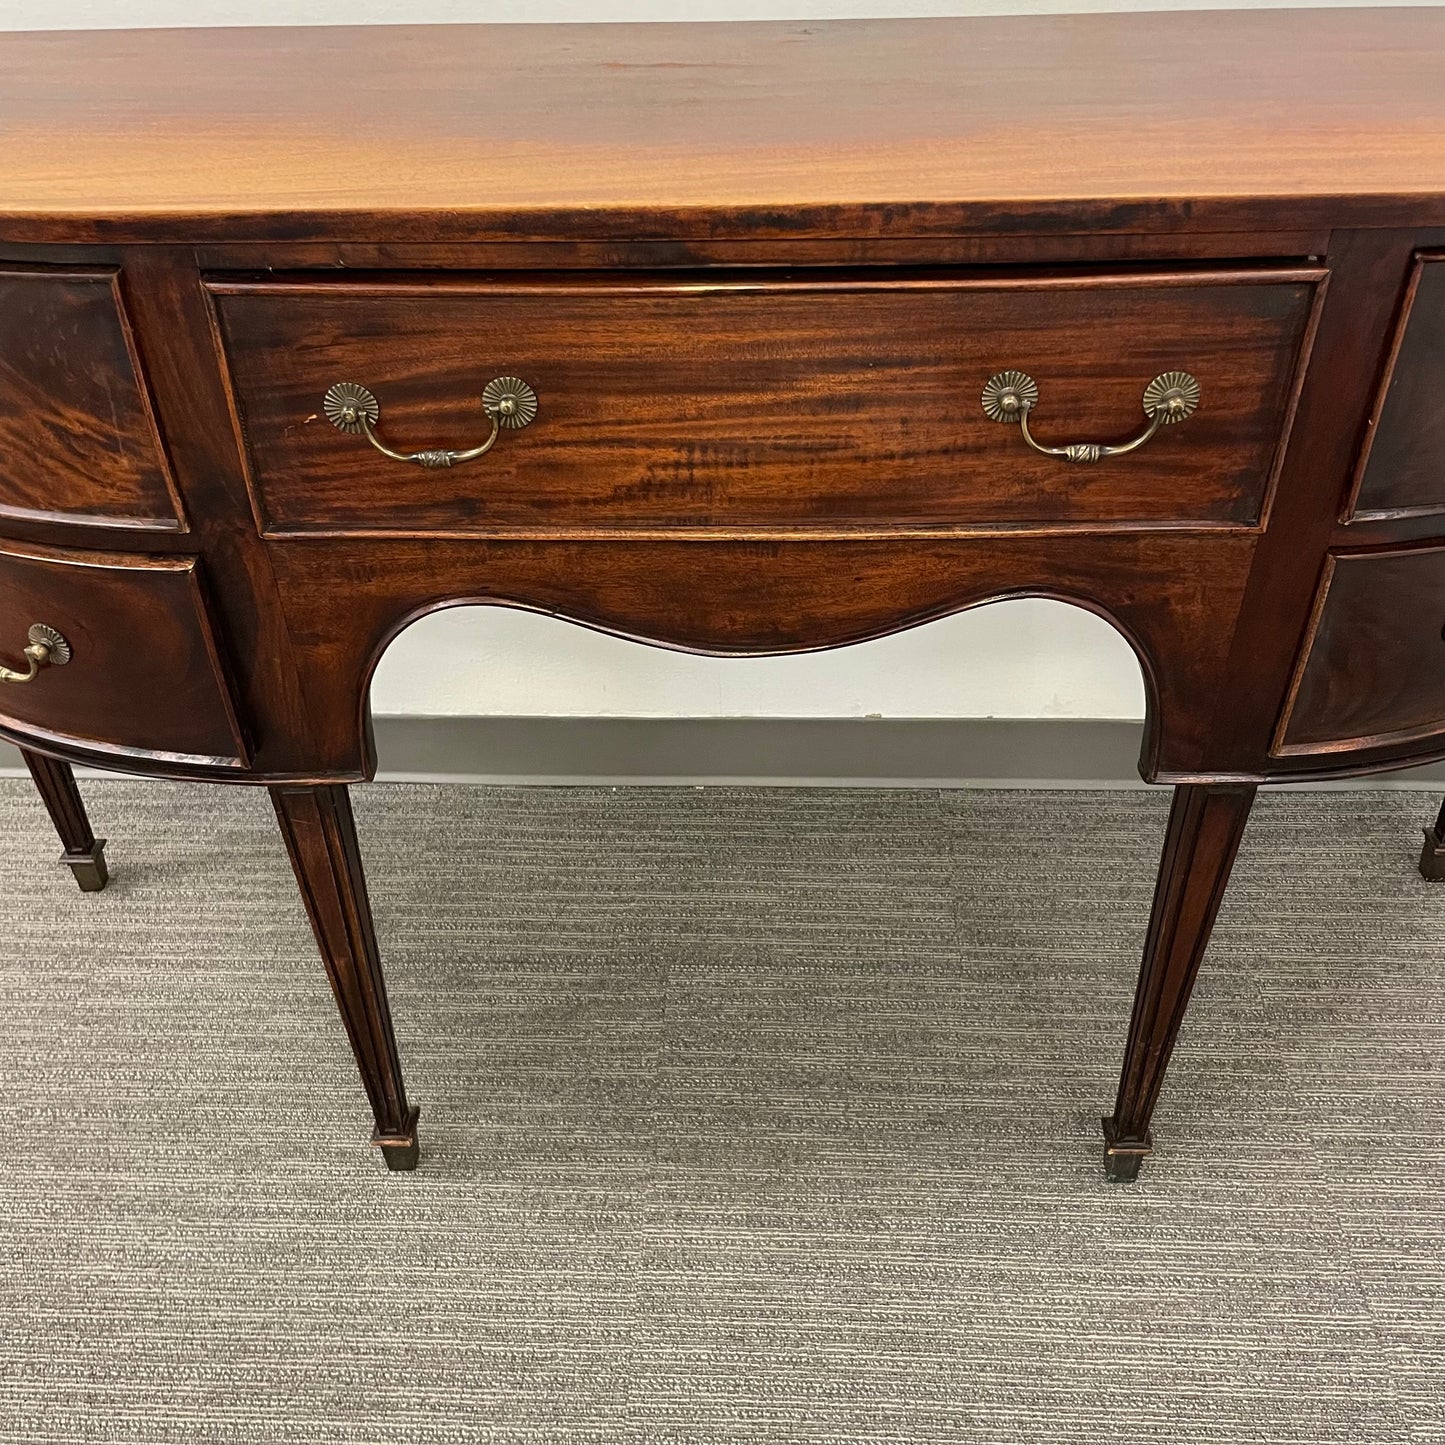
747, 1116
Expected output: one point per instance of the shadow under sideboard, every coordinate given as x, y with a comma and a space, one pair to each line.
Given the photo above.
778, 752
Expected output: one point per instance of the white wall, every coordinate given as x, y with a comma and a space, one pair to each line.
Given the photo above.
1015, 659
1023, 658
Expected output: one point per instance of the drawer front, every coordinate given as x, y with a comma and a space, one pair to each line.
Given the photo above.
78, 440
794, 404
144, 674
1404, 468
1373, 670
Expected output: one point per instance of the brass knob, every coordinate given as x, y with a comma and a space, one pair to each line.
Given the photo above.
47, 648
1009, 397
507, 400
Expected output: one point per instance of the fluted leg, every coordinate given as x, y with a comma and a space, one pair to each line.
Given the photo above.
84, 853
320, 835
1432, 855
1206, 823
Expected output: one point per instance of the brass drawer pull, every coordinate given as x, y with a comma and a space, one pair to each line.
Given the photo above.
1010, 396
508, 400
47, 648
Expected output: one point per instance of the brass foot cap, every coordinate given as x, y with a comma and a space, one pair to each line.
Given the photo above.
89, 868
400, 1148
1122, 1157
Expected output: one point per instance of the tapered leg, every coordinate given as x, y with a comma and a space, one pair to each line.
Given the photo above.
1432, 855
320, 835
1206, 823
84, 852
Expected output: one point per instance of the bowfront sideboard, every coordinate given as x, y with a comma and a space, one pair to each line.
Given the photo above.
734, 338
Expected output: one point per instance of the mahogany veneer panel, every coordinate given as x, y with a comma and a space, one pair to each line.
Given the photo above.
704, 402
1172, 121
1173, 595
78, 442
1405, 468
1374, 670
145, 678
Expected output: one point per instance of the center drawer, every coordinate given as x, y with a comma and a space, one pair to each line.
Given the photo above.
761, 403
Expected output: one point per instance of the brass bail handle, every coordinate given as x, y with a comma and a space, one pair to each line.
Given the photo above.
1010, 396
507, 400
47, 648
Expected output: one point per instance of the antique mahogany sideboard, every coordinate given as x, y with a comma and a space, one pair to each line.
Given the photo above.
737, 338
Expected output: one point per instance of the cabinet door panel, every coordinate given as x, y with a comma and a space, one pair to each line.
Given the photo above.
78, 441
1373, 670
1404, 470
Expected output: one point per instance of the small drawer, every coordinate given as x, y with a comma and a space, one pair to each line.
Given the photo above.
143, 676
1372, 672
751, 403
1403, 469
78, 440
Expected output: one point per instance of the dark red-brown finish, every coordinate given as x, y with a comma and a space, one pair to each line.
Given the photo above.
758, 276
1206, 823
320, 834
816, 403
1166, 591
1374, 670
78, 441
84, 853
1176, 123
1404, 467
144, 678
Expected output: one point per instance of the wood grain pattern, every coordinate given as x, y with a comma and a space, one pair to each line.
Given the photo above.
55, 782
320, 835
1111, 122
1373, 672
1172, 595
1404, 466
1368, 274
78, 442
1095, 249
84, 853
171, 312
755, 403
1206, 824
145, 677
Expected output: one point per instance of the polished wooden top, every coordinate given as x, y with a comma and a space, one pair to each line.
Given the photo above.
850, 127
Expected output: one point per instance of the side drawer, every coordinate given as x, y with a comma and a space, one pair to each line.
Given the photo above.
144, 675
1372, 672
795, 403
78, 439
